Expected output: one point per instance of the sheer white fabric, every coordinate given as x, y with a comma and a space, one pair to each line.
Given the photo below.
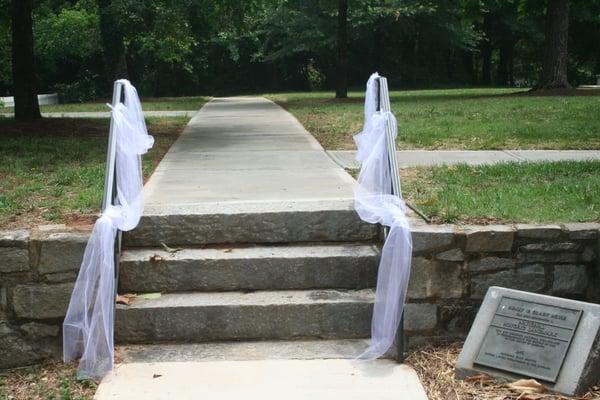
89, 324
375, 203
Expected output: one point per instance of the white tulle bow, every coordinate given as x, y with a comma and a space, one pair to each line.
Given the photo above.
375, 203
89, 324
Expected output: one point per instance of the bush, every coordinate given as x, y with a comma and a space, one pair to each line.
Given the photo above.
314, 77
83, 89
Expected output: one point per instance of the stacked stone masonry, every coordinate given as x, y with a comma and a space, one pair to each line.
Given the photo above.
453, 266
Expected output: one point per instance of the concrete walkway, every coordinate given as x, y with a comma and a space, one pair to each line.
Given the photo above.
106, 114
247, 179
419, 158
245, 149
263, 380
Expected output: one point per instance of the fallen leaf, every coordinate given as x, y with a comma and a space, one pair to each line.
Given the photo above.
156, 376
125, 298
481, 378
156, 258
227, 251
170, 249
526, 386
150, 296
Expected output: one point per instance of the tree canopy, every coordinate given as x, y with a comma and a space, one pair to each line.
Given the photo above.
178, 47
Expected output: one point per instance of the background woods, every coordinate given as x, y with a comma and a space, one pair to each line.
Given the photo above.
181, 47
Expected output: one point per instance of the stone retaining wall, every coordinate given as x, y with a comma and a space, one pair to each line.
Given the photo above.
452, 268
37, 271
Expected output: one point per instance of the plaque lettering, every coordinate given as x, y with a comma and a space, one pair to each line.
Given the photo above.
528, 338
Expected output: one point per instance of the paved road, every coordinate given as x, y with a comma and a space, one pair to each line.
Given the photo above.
106, 114
415, 158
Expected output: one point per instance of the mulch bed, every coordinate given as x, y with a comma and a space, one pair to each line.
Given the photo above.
435, 367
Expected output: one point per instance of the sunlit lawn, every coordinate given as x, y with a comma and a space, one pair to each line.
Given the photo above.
53, 170
512, 192
473, 119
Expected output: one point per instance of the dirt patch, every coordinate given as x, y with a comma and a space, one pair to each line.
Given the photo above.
56, 127
51, 380
559, 92
435, 367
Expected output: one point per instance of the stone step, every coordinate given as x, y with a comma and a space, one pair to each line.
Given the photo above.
340, 266
250, 222
245, 351
226, 316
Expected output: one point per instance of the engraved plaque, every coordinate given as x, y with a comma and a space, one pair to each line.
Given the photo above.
528, 338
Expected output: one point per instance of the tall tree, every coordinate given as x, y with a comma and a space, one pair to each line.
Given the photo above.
23, 62
112, 42
341, 82
554, 68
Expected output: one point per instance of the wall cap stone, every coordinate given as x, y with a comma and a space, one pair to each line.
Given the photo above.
537, 231
17, 238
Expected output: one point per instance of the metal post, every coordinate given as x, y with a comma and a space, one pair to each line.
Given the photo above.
383, 105
110, 186
111, 154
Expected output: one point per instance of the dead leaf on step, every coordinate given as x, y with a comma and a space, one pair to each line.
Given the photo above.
156, 376
125, 299
170, 249
527, 386
227, 250
156, 258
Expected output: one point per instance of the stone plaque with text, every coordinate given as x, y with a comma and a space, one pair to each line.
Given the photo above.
519, 334
528, 338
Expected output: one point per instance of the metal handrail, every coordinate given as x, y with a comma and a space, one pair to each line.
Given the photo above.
110, 182
383, 105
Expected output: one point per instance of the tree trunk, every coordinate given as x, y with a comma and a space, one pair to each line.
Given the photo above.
554, 69
341, 85
486, 52
470, 68
506, 63
112, 43
23, 62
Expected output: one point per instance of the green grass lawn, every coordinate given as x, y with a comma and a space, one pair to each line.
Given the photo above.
148, 104
52, 171
512, 192
471, 119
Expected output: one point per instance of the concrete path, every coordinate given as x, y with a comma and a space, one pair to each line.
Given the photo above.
245, 149
418, 158
246, 173
106, 114
263, 380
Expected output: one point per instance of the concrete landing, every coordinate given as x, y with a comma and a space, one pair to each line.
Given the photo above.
248, 149
263, 380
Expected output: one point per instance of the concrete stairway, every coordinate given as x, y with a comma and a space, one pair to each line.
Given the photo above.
262, 242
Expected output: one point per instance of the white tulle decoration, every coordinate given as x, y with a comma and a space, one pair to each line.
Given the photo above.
89, 324
375, 203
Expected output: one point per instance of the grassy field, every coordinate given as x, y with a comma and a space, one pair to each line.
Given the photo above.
514, 192
471, 119
53, 171
148, 104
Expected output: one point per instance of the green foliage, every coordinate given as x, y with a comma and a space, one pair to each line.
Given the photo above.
81, 89
314, 77
175, 47
71, 32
